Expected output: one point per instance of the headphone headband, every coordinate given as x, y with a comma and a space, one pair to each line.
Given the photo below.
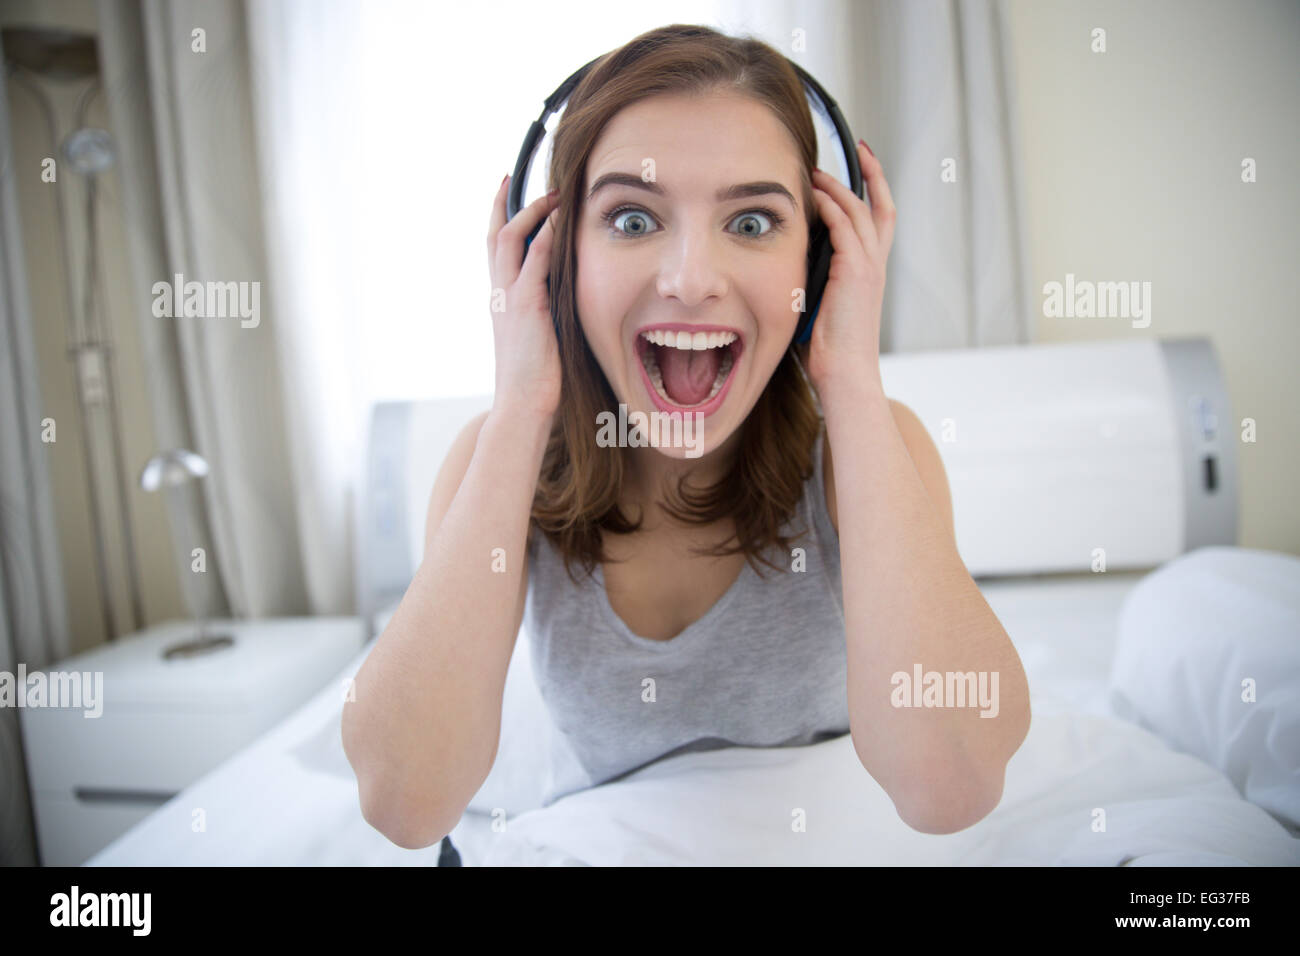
537, 131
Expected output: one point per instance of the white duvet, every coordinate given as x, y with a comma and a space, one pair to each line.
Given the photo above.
1082, 790
1087, 787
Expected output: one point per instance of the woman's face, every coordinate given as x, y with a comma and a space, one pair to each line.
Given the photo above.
662, 245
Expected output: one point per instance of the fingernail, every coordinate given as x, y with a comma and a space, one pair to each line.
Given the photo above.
503, 180
864, 143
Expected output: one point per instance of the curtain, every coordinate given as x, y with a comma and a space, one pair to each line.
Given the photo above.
182, 108
307, 97
939, 86
33, 619
929, 84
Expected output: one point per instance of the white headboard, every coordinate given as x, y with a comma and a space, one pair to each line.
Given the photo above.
1051, 451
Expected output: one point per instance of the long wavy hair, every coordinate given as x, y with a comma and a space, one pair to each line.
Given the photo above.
577, 493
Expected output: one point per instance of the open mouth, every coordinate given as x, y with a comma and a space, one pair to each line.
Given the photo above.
689, 371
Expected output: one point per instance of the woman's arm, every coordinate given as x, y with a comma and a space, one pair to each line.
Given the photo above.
909, 601
423, 731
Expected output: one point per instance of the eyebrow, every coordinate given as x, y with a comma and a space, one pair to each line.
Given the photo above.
738, 191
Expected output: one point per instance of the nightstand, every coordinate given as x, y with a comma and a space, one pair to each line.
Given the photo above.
172, 709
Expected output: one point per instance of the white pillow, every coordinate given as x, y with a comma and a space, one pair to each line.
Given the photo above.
1191, 635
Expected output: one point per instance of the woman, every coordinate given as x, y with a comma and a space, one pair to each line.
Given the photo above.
675, 243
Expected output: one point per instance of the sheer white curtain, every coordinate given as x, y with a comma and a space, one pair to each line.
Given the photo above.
387, 128
309, 106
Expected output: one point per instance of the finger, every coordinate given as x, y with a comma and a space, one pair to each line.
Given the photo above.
537, 263
883, 211
853, 206
844, 236
498, 217
508, 257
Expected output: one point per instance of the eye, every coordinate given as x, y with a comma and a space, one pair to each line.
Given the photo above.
635, 221
751, 222
629, 222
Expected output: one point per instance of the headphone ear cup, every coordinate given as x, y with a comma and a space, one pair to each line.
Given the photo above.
819, 268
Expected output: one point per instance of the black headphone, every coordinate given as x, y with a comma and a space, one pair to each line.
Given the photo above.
819, 244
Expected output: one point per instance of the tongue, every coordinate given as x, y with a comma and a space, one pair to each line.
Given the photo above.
688, 375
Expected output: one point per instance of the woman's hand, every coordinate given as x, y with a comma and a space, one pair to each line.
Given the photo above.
845, 342
527, 352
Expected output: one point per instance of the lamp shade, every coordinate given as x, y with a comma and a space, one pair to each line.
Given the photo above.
172, 468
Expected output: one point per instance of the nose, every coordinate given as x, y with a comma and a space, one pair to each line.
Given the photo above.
692, 268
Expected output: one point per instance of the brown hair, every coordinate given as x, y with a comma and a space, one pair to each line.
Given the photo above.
578, 486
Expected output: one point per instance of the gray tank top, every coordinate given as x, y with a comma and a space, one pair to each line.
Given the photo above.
766, 666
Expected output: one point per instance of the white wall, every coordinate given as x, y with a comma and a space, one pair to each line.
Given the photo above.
1133, 165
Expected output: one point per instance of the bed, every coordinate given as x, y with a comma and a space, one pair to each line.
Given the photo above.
1165, 688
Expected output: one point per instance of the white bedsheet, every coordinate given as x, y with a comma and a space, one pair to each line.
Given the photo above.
290, 798
738, 807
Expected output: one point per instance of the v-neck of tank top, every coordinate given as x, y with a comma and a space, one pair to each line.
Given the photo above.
688, 634
743, 581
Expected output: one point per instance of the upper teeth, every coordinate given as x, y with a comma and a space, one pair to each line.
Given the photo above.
687, 340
